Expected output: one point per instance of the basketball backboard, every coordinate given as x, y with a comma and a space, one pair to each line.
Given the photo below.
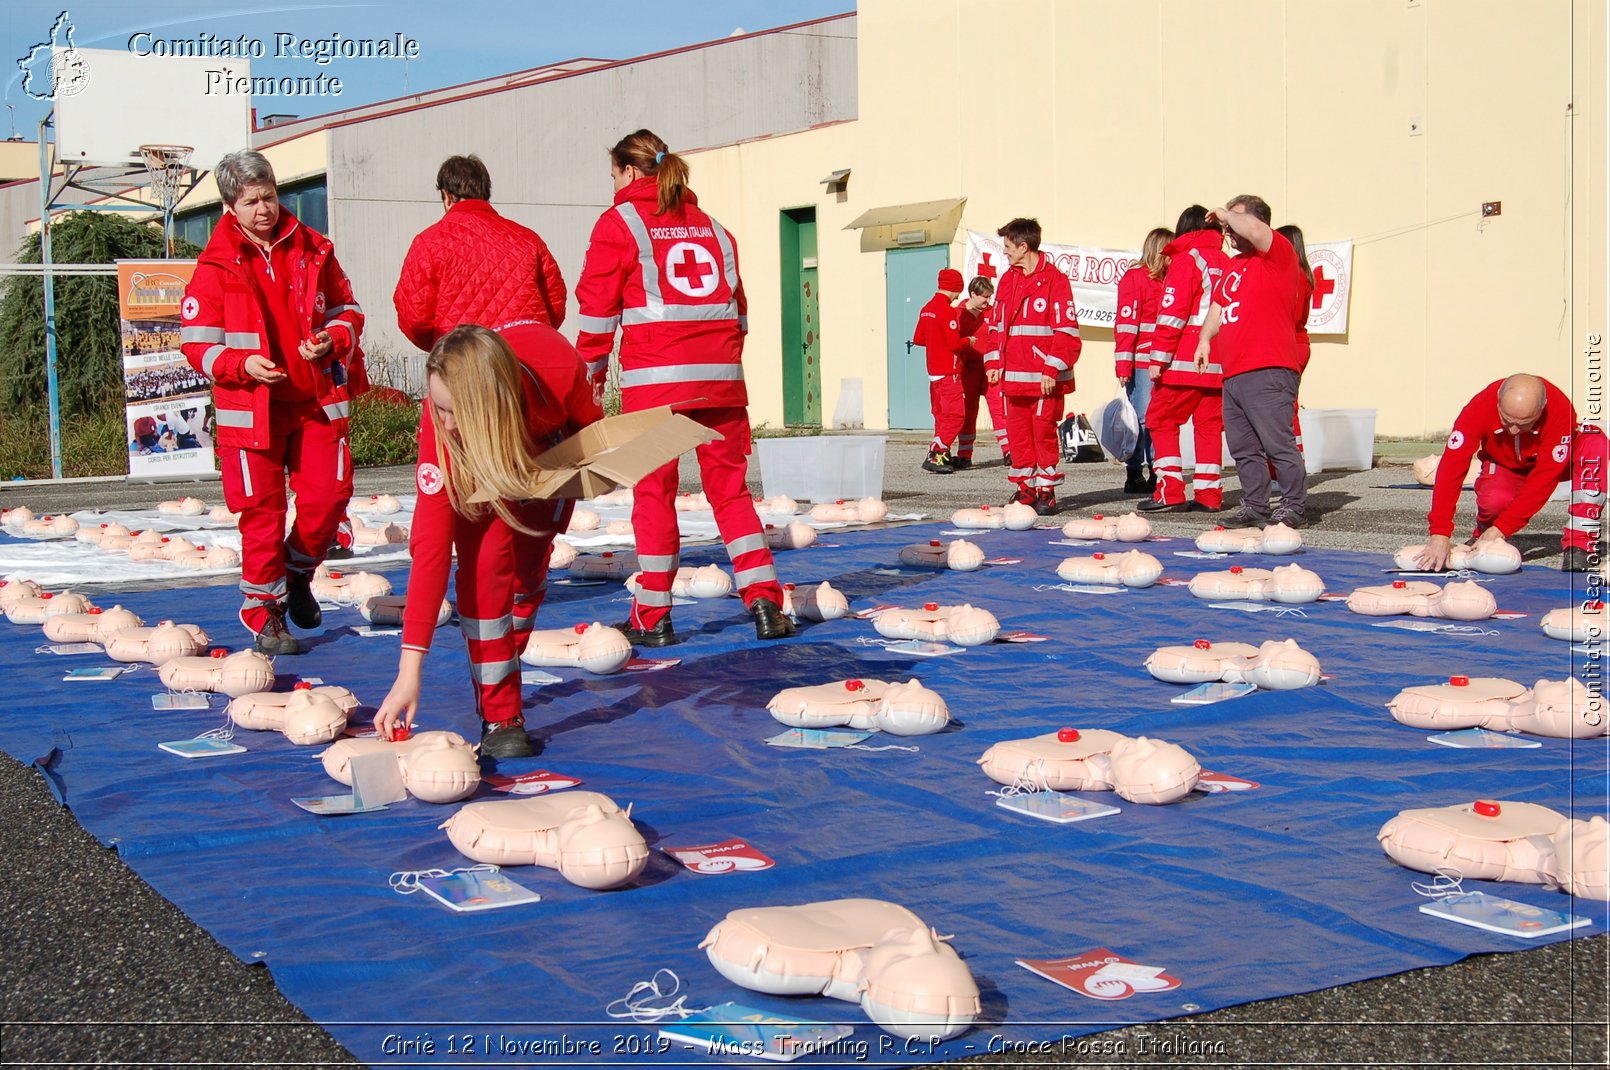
110, 102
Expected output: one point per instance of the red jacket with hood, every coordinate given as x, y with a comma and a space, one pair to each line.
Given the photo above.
1032, 330
1196, 263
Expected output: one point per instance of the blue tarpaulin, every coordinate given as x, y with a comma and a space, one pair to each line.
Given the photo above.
1241, 895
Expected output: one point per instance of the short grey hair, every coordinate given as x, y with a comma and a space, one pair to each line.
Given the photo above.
241, 169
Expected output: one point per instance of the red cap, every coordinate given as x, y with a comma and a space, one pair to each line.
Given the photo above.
934, 542
609, 553
580, 628
164, 538
951, 281
218, 652
983, 508
1486, 808
1398, 585
927, 606
1218, 527
400, 733
46, 594
1202, 644
335, 575
1067, 735
788, 586
854, 685
839, 501
1458, 681
1099, 556
93, 609
302, 685
1235, 570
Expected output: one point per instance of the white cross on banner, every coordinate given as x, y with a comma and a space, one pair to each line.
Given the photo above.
1094, 273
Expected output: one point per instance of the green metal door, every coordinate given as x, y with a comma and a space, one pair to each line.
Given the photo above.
910, 276
810, 346
802, 321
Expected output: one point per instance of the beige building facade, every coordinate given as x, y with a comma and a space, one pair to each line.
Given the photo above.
1386, 122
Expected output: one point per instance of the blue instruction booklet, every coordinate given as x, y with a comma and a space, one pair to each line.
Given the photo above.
733, 1029
1507, 916
477, 889
818, 738
1055, 806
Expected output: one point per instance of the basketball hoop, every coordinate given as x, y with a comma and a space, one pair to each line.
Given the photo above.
166, 164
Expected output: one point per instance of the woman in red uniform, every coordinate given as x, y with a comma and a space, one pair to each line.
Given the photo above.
498, 399
665, 274
1140, 290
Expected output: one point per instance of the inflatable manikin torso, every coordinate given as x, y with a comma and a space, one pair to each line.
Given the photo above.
777, 505
864, 511
1494, 558
1286, 584
1565, 709
436, 767
348, 588
220, 514
1131, 569
795, 535
156, 646
620, 528
1274, 666
307, 716
383, 534
583, 834
963, 625
618, 496
94, 626
94, 533
1131, 527
907, 709
375, 504
1141, 770
1013, 517
908, 980
1458, 600
50, 525
958, 556
562, 555
238, 674
1274, 539
605, 566
1425, 470
387, 610
692, 503
822, 602
1576, 624
16, 518
583, 520
14, 591
164, 548
1582, 858
708, 581
1483, 840
182, 507
208, 557
595, 647
37, 610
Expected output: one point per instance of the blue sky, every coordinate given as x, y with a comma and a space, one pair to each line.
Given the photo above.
459, 40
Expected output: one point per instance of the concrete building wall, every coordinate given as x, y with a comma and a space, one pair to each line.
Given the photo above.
1387, 122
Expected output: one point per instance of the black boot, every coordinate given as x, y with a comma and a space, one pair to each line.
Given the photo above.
276, 638
770, 622
1152, 505
961, 464
299, 601
1576, 560
1045, 503
938, 462
507, 739
662, 634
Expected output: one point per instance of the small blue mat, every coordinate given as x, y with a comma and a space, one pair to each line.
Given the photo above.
1241, 895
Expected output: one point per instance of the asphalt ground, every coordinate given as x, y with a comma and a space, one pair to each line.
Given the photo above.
96, 969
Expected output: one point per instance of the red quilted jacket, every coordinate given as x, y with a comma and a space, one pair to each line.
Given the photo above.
475, 266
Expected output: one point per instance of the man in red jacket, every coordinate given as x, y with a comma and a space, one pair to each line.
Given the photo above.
1031, 344
473, 265
939, 333
270, 318
1525, 433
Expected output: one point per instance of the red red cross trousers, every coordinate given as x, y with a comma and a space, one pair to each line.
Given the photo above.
1322, 288
692, 270
985, 268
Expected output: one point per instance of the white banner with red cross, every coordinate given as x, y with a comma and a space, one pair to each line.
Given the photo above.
1094, 273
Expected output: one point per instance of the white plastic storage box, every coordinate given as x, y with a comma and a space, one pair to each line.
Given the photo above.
823, 468
1346, 438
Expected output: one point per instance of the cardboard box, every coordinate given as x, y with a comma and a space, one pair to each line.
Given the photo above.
614, 452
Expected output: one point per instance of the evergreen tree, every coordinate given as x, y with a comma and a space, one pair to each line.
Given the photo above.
89, 348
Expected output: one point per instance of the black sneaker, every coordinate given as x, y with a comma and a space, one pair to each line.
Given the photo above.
939, 463
276, 638
1022, 497
1198, 507
960, 464
1576, 559
1136, 485
1289, 517
770, 623
1045, 504
1246, 518
299, 601
662, 634
507, 739
1152, 505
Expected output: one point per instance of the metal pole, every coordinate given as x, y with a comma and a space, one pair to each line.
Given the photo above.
50, 301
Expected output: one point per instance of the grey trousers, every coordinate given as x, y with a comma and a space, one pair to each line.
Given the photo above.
1258, 409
